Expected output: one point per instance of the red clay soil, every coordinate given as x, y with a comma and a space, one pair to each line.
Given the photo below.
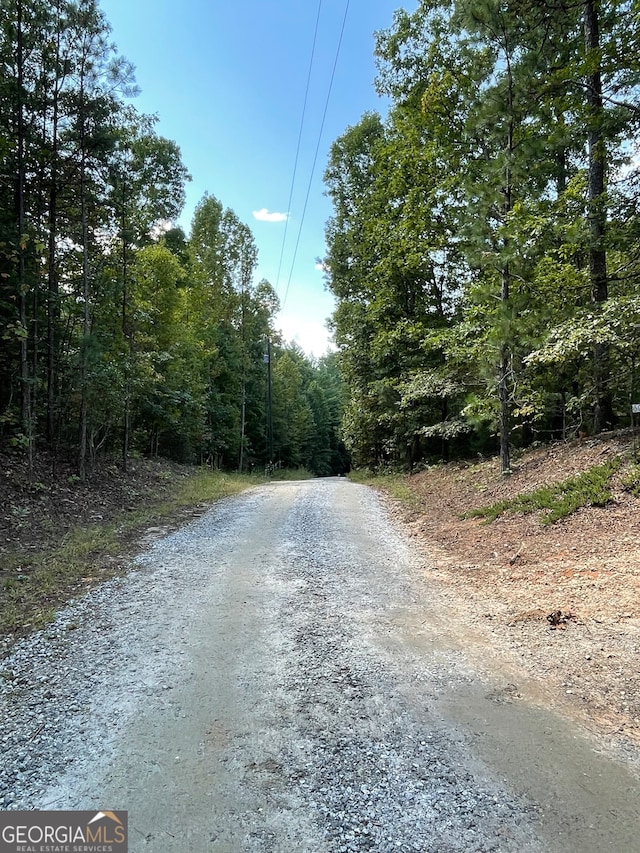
506, 583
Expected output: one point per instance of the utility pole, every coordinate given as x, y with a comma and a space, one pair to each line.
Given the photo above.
267, 359
243, 419
243, 415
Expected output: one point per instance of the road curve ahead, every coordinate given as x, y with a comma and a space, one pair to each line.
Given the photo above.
277, 676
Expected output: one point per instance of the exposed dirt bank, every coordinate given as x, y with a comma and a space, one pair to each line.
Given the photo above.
501, 581
38, 507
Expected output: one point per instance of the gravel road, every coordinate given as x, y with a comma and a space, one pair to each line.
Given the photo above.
278, 675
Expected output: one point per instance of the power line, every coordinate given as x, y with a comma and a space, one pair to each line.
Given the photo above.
295, 165
315, 158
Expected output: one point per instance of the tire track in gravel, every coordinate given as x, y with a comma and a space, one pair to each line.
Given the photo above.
274, 677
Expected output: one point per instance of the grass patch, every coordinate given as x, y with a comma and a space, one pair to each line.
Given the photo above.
394, 484
205, 485
591, 488
39, 582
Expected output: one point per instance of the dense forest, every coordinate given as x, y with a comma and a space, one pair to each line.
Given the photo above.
120, 334
484, 251
484, 246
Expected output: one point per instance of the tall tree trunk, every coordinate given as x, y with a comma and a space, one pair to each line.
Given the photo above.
25, 402
84, 356
84, 368
243, 410
243, 416
504, 366
127, 333
561, 158
269, 407
597, 211
52, 277
126, 425
504, 370
52, 318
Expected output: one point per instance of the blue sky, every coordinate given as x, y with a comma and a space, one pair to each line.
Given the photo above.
227, 81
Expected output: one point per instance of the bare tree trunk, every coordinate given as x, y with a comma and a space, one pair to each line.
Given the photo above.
243, 416
597, 213
84, 370
269, 407
84, 364
504, 417
504, 366
52, 307
52, 259
561, 159
25, 401
126, 427
127, 333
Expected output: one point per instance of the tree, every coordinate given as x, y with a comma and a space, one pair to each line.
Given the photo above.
147, 180
118, 331
472, 222
224, 257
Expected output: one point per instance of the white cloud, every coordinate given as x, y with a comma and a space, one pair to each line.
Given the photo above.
314, 337
265, 216
322, 267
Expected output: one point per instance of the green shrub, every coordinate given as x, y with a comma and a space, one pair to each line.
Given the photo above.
557, 501
631, 481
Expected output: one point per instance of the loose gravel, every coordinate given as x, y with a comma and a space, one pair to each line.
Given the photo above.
246, 687
382, 778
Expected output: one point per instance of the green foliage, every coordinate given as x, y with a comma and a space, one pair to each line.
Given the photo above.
630, 480
468, 231
393, 483
557, 501
307, 411
121, 334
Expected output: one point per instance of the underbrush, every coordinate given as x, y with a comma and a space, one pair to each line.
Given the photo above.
554, 502
631, 480
557, 501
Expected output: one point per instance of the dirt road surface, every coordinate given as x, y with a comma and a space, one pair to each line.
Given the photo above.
278, 675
